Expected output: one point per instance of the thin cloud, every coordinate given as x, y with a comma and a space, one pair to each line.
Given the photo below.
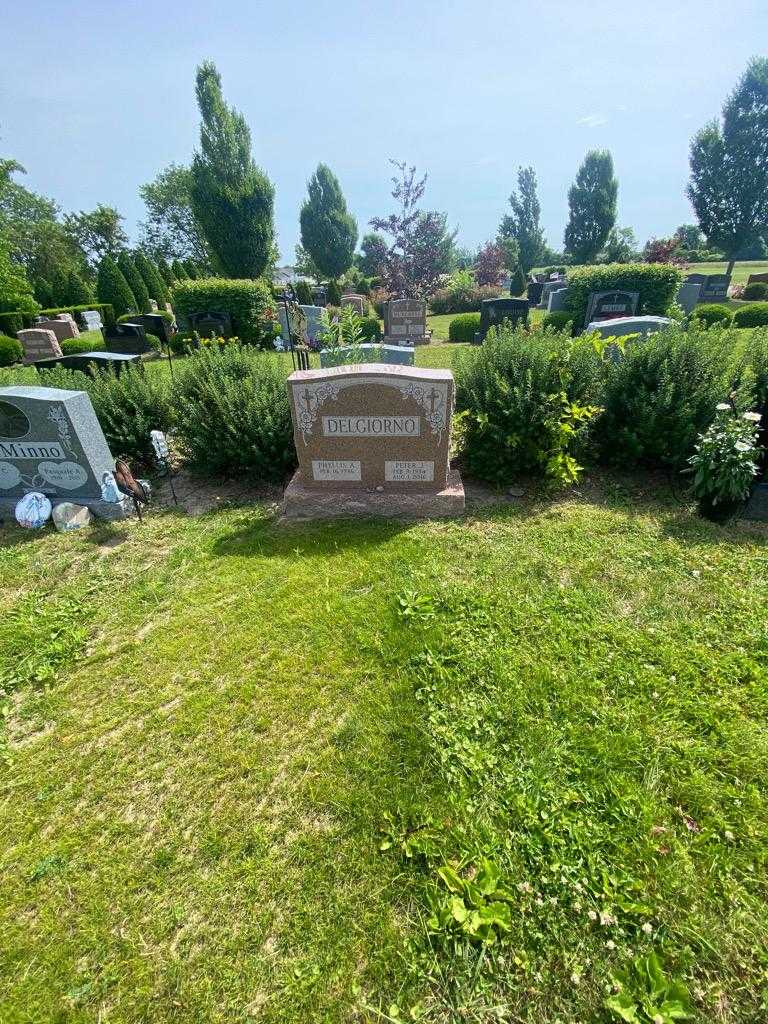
592, 121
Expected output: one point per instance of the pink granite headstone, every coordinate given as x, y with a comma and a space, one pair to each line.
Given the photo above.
63, 326
39, 343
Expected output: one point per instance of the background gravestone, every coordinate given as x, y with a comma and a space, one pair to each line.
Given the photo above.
493, 312
372, 439
619, 327
155, 324
127, 338
688, 295
548, 288
715, 288
315, 327
534, 290
63, 327
757, 279
38, 344
557, 300
405, 321
356, 301
51, 441
611, 305
92, 320
207, 323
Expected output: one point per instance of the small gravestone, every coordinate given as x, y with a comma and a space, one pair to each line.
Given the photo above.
208, 323
92, 319
714, 287
63, 327
51, 442
314, 326
372, 440
611, 305
405, 322
493, 313
155, 324
548, 288
320, 295
69, 516
619, 327
557, 300
534, 290
38, 344
757, 279
688, 295
400, 355
127, 338
356, 301
757, 505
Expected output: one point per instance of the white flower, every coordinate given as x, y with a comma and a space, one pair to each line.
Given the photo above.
525, 887
576, 978
723, 407
742, 446
610, 944
606, 918
591, 915
647, 928
658, 1019
753, 417
729, 835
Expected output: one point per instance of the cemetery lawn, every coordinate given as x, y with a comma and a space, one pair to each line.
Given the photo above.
214, 724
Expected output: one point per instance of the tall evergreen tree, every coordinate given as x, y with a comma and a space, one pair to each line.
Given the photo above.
328, 230
130, 271
231, 197
165, 272
79, 292
152, 279
729, 167
112, 287
191, 269
179, 271
523, 223
592, 205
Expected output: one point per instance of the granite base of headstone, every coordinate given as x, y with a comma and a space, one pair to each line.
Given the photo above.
38, 344
345, 355
51, 442
494, 312
372, 440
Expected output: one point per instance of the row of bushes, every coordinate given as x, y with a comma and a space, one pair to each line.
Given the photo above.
649, 405
12, 323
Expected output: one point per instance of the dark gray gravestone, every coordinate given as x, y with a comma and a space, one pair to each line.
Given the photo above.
208, 323
493, 313
534, 290
557, 300
130, 339
688, 295
715, 288
155, 324
51, 441
757, 279
405, 321
757, 505
608, 305
88, 362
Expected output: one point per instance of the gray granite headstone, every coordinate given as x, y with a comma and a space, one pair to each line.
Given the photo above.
534, 290
405, 321
548, 288
493, 313
688, 295
51, 441
557, 300
92, 319
314, 322
400, 355
611, 305
356, 301
757, 279
715, 288
619, 327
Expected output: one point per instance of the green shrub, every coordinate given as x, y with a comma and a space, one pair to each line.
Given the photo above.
11, 323
112, 287
11, 350
371, 329
127, 406
461, 294
709, 313
509, 388
333, 293
661, 394
755, 292
152, 279
656, 283
234, 418
249, 304
304, 293
73, 346
755, 315
560, 319
464, 327
179, 272
750, 370
130, 272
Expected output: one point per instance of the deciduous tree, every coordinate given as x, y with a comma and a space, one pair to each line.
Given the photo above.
97, 234
592, 206
171, 230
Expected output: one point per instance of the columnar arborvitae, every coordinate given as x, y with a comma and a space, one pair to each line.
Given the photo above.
79, 292
232, 198
165, 272
130, 272
152, 279
179, 271
592, 206
112, 287
328, 230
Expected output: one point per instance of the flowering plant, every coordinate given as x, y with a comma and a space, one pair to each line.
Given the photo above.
724, 462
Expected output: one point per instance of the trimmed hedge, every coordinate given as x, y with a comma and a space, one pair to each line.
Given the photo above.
464, 327
12, 323
559, 319
709, 313
755, 315
74, 346
656, 283
757, 291
11, 350
248, 302
104, 308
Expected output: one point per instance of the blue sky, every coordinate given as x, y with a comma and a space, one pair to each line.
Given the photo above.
97, 97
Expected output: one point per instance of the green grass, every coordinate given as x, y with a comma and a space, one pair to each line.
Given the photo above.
212, 724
